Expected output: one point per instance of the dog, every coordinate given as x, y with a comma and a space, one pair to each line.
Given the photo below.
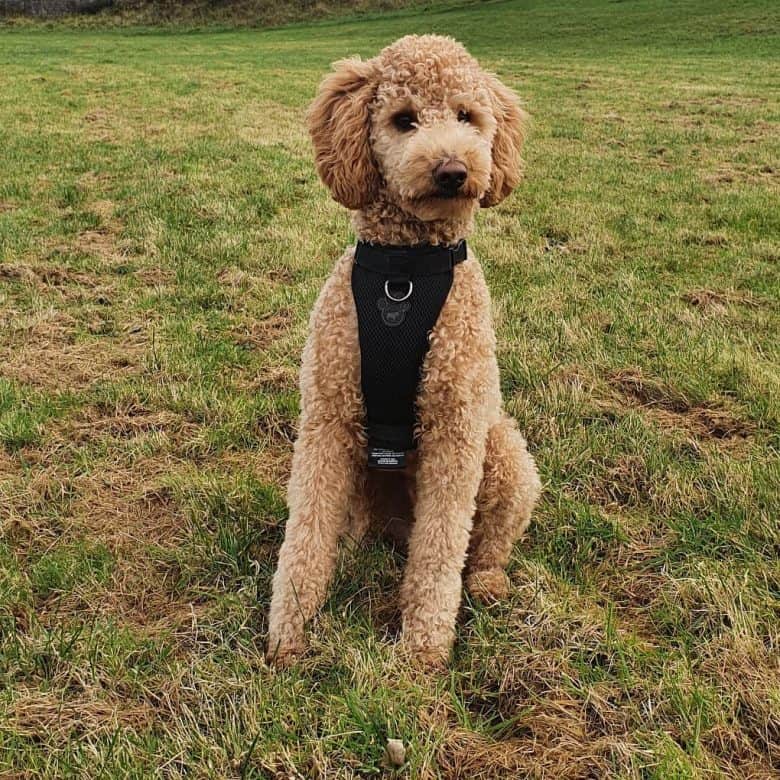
414, 142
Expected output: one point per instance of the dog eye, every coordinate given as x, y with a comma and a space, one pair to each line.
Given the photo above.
464, 116
404, 121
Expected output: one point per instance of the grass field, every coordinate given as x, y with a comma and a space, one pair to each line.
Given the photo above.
162, 238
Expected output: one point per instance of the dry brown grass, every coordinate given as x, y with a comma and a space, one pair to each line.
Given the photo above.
672, 410
43, 351
85, 715
719, 299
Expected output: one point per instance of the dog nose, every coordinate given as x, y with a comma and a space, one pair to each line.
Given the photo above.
450, 175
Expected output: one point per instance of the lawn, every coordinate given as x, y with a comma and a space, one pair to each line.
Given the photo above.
163, 236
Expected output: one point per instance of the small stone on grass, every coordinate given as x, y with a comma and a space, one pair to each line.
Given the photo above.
396, 752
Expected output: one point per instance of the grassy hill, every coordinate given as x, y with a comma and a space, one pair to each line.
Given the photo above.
162, 238
188, 14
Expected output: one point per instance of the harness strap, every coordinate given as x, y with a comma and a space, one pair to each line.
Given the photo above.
399, 292
409, 261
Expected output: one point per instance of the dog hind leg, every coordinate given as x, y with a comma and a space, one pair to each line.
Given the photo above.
509, 489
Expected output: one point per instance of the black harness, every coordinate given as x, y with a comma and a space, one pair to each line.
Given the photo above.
399, 292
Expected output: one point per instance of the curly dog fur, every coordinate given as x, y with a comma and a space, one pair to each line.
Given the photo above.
469, 492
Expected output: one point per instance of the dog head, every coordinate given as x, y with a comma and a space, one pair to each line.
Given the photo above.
421, 124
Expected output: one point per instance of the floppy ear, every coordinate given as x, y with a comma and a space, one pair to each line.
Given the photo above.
339, 125
511, 120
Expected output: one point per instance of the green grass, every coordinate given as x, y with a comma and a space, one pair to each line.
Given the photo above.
162, 238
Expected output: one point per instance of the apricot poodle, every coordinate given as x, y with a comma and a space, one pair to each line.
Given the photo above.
413, 141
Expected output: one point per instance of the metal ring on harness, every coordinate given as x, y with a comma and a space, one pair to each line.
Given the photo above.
398, 300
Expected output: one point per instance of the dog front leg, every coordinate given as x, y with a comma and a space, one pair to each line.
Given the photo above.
448, 479
321, 482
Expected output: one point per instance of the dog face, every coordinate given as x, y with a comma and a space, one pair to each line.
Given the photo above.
420, 124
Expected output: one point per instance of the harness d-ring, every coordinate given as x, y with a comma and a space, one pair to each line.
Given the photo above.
398, 300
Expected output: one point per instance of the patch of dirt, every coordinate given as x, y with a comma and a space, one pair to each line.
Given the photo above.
90, 180
558, 746
626, 483
754, 174
127, 508
544, 729
633, 591
706, 423
633, 575
751, 674
542, 726
78, 286
104, 241
280, 275
704, 239
648, 391
601, 320
154, 277
59, 277
43, 352
140, 595
643, 544
714, 104
124, 506
672, 410
234, 277
18, 272
105, 209
724, 176
100, 243
8, 463
718, 299
736, 754
272, 377
101, 125
260, 333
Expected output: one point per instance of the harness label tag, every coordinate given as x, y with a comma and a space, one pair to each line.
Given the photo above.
381, 458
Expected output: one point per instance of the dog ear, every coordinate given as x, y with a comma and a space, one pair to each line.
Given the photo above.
339, 125
511, 121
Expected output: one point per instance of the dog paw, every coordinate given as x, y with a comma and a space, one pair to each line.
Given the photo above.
283, 653
488, 585
425, 652
282, 659
428, 658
